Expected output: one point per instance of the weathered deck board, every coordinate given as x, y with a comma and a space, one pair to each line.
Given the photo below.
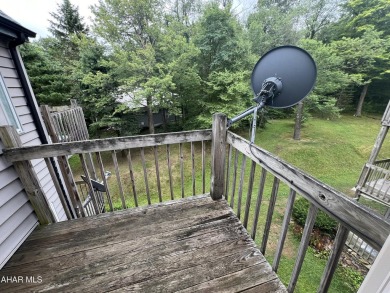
188, 245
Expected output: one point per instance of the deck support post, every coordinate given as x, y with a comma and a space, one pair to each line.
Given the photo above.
218, 151
28, 177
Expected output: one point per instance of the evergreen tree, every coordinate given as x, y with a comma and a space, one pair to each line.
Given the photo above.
46, 73
66, 21
51, 62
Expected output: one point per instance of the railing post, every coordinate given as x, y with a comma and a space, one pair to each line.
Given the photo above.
218, 150
28, 177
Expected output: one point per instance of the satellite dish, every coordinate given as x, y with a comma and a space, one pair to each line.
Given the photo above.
283, 77
280, 79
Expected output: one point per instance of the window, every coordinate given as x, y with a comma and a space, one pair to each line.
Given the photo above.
8, 109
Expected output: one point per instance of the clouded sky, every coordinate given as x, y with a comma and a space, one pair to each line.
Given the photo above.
34, 14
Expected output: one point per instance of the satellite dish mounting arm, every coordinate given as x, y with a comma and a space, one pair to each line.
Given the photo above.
271, 88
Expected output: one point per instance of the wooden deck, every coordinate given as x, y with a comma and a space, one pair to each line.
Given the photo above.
189, 245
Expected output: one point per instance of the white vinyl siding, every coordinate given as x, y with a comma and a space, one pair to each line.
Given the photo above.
17, 218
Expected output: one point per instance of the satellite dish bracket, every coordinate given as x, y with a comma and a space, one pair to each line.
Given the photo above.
271, 88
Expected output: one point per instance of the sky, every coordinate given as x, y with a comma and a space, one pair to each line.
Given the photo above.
35, 14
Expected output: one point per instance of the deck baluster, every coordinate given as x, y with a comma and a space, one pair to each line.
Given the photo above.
203, 167
91, 189
193, 167
130, 163
228, 172
104, 179
157, 173
181, 169
234, 179
309, 224
240, 187
145, 175
258, 202
331, 265
283, 233
270, 213
249, 194
118, 179
170, 171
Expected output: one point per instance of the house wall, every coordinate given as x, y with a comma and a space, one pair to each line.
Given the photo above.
17, 218
157, 118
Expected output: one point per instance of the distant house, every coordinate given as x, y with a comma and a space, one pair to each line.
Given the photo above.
18, 107
142, 117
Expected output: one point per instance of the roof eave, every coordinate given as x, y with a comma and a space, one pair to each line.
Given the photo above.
22, 33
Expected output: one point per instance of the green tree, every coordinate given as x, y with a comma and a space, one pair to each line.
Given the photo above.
365, 59
273, 24
180, 56
131, 28
224, 61
360, 16
66, 26
316, 15
97, 88
227, 92
150, 53
51, 61
359, 19
50, 83
331, 79
220, 39
185, 12
67, 21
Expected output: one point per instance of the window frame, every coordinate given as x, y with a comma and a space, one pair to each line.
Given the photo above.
7, 103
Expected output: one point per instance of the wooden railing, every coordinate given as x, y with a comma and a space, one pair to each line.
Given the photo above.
361, 248
138, 165
230, 154
66, 124
350, 215
375, 181
278, 176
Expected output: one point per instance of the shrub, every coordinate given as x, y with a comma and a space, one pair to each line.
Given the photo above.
353, 278
323, 222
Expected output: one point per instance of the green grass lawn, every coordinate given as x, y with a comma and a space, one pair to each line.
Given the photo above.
332, 151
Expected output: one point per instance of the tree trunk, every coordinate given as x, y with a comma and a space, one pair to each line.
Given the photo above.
150, 115
361, 101
298, 121
164, 119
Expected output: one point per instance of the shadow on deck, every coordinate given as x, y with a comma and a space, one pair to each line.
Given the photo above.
188, 245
